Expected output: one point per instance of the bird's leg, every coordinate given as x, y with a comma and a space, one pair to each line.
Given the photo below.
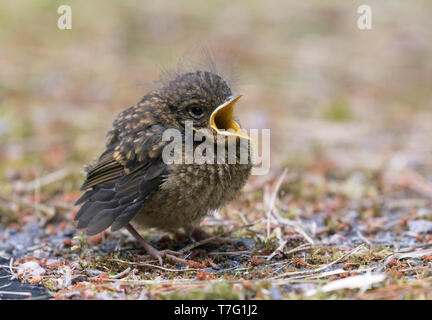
159, 255
199, 234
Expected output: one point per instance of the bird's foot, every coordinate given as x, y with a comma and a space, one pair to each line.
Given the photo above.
199, 234
174, 256
155, 253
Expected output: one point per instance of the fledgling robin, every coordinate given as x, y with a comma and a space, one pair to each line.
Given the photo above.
130, 181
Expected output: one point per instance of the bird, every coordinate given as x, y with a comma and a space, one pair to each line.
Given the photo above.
132, 183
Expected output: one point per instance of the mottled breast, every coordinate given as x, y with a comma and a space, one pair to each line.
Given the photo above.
189, 192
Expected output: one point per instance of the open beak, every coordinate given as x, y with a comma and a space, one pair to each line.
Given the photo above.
221, 120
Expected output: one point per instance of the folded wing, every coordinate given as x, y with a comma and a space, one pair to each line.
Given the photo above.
119, 183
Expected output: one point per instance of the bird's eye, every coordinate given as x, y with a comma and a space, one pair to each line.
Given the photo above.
196, 112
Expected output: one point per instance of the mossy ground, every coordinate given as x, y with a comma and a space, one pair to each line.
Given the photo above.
349, 113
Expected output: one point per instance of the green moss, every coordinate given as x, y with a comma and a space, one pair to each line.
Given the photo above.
323, 254
49, 284
338, 111
213, 292
270, 244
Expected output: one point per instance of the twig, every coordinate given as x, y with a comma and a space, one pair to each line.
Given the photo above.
149, 265
235, 253
242, 216
199, 243
311, 277
320, 268
16, 293
279, 249
273, 214
272, 200
363, 282
302, 247
48, 210
42, 181
413, 248
9, 267
294, 225
333, 272
403, 254
14, 275
6, 285
366, 240
121, 274
422, 268
416, 182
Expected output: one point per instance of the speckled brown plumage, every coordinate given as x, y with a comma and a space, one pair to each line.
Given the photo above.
130, 182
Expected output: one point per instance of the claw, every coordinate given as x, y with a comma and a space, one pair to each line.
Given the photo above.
158, 255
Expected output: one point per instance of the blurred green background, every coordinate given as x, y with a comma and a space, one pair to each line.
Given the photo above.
325, 88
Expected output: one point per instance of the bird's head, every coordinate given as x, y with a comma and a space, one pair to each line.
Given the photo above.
203, 97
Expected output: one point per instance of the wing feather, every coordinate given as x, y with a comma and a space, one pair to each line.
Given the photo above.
123, 177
